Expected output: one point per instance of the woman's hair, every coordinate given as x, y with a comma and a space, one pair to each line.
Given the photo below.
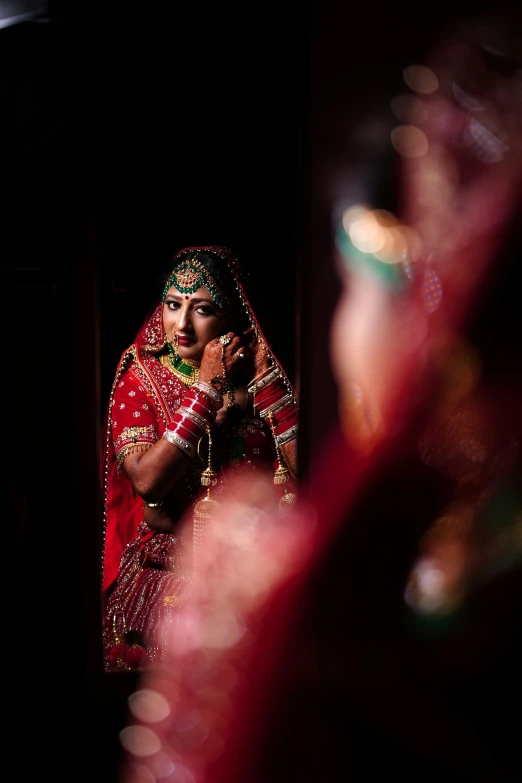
225, 271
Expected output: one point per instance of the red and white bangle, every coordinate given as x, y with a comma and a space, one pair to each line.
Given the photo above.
190, 422
264, 379
278, 406
206, 389
181, 443
275, 402
286, 436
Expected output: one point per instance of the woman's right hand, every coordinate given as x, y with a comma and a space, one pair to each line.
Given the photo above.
211, 364
259, 352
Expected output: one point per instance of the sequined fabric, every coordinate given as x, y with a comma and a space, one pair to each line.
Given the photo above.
151, 584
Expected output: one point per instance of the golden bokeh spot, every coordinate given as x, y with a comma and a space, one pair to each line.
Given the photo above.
420, 79
409, 141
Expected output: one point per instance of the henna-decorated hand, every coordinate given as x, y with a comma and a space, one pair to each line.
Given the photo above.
234, 358
211, 365
259, 353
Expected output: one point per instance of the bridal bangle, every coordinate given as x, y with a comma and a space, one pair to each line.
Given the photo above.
191, 420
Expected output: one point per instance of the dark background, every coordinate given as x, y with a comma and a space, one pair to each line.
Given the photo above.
128, 131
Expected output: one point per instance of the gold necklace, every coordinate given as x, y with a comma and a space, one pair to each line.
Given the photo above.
187, 370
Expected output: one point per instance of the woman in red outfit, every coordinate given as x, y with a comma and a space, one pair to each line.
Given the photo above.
198, 396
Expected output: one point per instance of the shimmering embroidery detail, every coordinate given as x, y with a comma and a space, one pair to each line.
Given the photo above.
126, 450
168, 390
137, 414
133, 439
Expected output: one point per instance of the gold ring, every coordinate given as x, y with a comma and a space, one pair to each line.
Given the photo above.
241, 355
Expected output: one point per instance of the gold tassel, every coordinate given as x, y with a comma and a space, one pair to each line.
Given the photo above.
206, 507
281, 474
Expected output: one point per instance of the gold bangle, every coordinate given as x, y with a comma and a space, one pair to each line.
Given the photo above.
180, 442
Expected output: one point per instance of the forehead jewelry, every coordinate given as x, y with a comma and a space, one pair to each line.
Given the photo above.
190, 275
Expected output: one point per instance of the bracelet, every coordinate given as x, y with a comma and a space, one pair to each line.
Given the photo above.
271, 394
198, 407
194, 393
206, 388
177, 440
287, 436
190, 432
260, 374
281, 424
193, 416
255, 386
288, 399
187, 423
271, 368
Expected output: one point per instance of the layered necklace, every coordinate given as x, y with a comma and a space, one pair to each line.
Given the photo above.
187, 370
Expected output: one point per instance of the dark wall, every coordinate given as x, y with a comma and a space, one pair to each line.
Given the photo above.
198, 120
128, 132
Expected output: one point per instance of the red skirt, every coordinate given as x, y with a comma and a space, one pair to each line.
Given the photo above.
151, 584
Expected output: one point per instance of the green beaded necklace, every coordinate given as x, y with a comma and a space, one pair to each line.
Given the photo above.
187, 370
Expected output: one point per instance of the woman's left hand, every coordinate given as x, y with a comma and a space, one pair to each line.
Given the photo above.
237, 356
228, 355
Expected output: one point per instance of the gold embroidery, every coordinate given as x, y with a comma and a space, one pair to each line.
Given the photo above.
133, 434
126, 450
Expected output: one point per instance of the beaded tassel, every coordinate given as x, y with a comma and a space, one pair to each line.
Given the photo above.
281, 474
205, 508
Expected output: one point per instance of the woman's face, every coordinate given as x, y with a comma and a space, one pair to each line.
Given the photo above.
195, 319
